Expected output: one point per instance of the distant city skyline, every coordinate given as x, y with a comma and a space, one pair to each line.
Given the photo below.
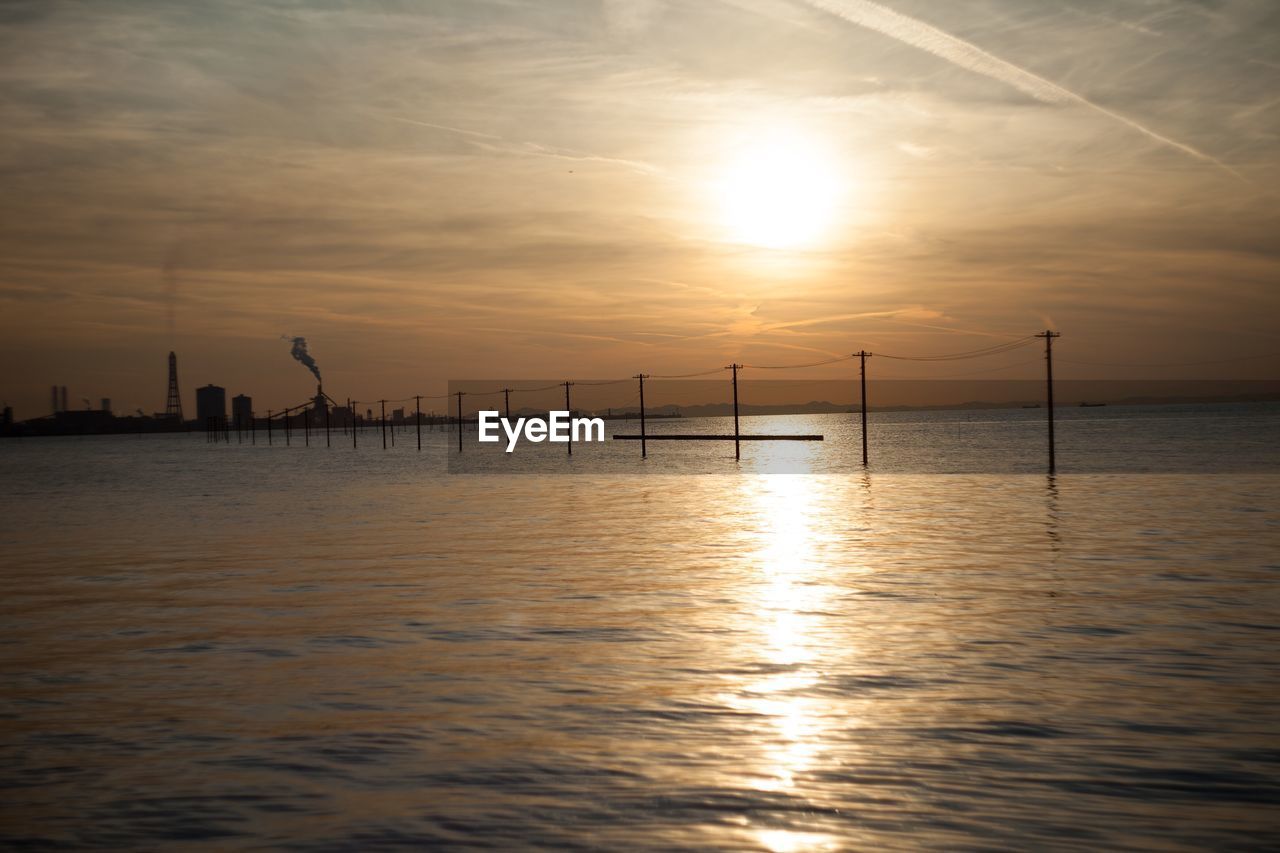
472, 189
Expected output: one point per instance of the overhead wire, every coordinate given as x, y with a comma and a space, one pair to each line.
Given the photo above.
981, 352
997, 349
971, 372
795, 366
683, 375
1168, 363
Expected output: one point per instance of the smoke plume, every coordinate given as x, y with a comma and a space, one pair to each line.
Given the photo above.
299, 352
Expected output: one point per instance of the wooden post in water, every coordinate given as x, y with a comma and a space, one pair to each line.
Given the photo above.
862, 364
306, 425
269, 441
460, 394
351, 413
737, 451
417, 420
1049, 335
383, 403
643, 453
568, 443
253, 429
326, 427
288, 429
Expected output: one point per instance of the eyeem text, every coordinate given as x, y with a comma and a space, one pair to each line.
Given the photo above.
557, 427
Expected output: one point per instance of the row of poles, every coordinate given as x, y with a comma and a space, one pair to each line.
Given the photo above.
357, 423
219, 429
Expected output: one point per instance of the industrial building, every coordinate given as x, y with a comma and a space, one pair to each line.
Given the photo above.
242, 410
211, 407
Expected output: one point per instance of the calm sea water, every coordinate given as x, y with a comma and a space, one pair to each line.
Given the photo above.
230, 647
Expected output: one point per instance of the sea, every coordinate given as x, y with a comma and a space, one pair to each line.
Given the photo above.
251, 645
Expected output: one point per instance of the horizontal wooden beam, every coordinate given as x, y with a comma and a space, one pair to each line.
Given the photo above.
730, 437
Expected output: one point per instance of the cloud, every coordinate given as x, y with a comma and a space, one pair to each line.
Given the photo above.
918, 34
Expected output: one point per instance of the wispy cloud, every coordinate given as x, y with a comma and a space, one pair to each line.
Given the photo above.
498, 144
924, 36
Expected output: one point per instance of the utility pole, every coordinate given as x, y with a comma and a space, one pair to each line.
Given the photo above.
863, 355
506, 403
642, 377
737, 452
460, 395
567, 385
1048, 336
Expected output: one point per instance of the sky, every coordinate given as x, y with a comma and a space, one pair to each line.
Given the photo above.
573, 188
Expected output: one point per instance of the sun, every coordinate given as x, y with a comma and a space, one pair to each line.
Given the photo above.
780, 189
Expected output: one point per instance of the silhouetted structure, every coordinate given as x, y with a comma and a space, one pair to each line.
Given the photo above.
319, 407
211, 406
63, 407
173, 404
242, 410
106, 405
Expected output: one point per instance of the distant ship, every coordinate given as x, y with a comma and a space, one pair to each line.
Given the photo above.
1090, 405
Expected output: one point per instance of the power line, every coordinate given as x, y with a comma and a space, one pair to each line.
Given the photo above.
1168, 363
795, 366
982, 352
685, 375
973, 372
956, 356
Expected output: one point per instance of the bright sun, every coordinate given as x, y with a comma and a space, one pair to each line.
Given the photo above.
780, 190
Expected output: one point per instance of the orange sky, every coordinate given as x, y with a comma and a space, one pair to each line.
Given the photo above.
585, 189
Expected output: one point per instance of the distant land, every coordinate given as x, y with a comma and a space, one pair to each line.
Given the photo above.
884, 396
824, 407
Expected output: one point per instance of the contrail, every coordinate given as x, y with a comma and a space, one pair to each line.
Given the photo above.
531, 148
926, 37
299, 352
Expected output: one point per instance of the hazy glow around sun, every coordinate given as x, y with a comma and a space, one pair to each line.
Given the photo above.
780, 190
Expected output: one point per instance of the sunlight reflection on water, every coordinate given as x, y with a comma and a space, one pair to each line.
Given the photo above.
269, 647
